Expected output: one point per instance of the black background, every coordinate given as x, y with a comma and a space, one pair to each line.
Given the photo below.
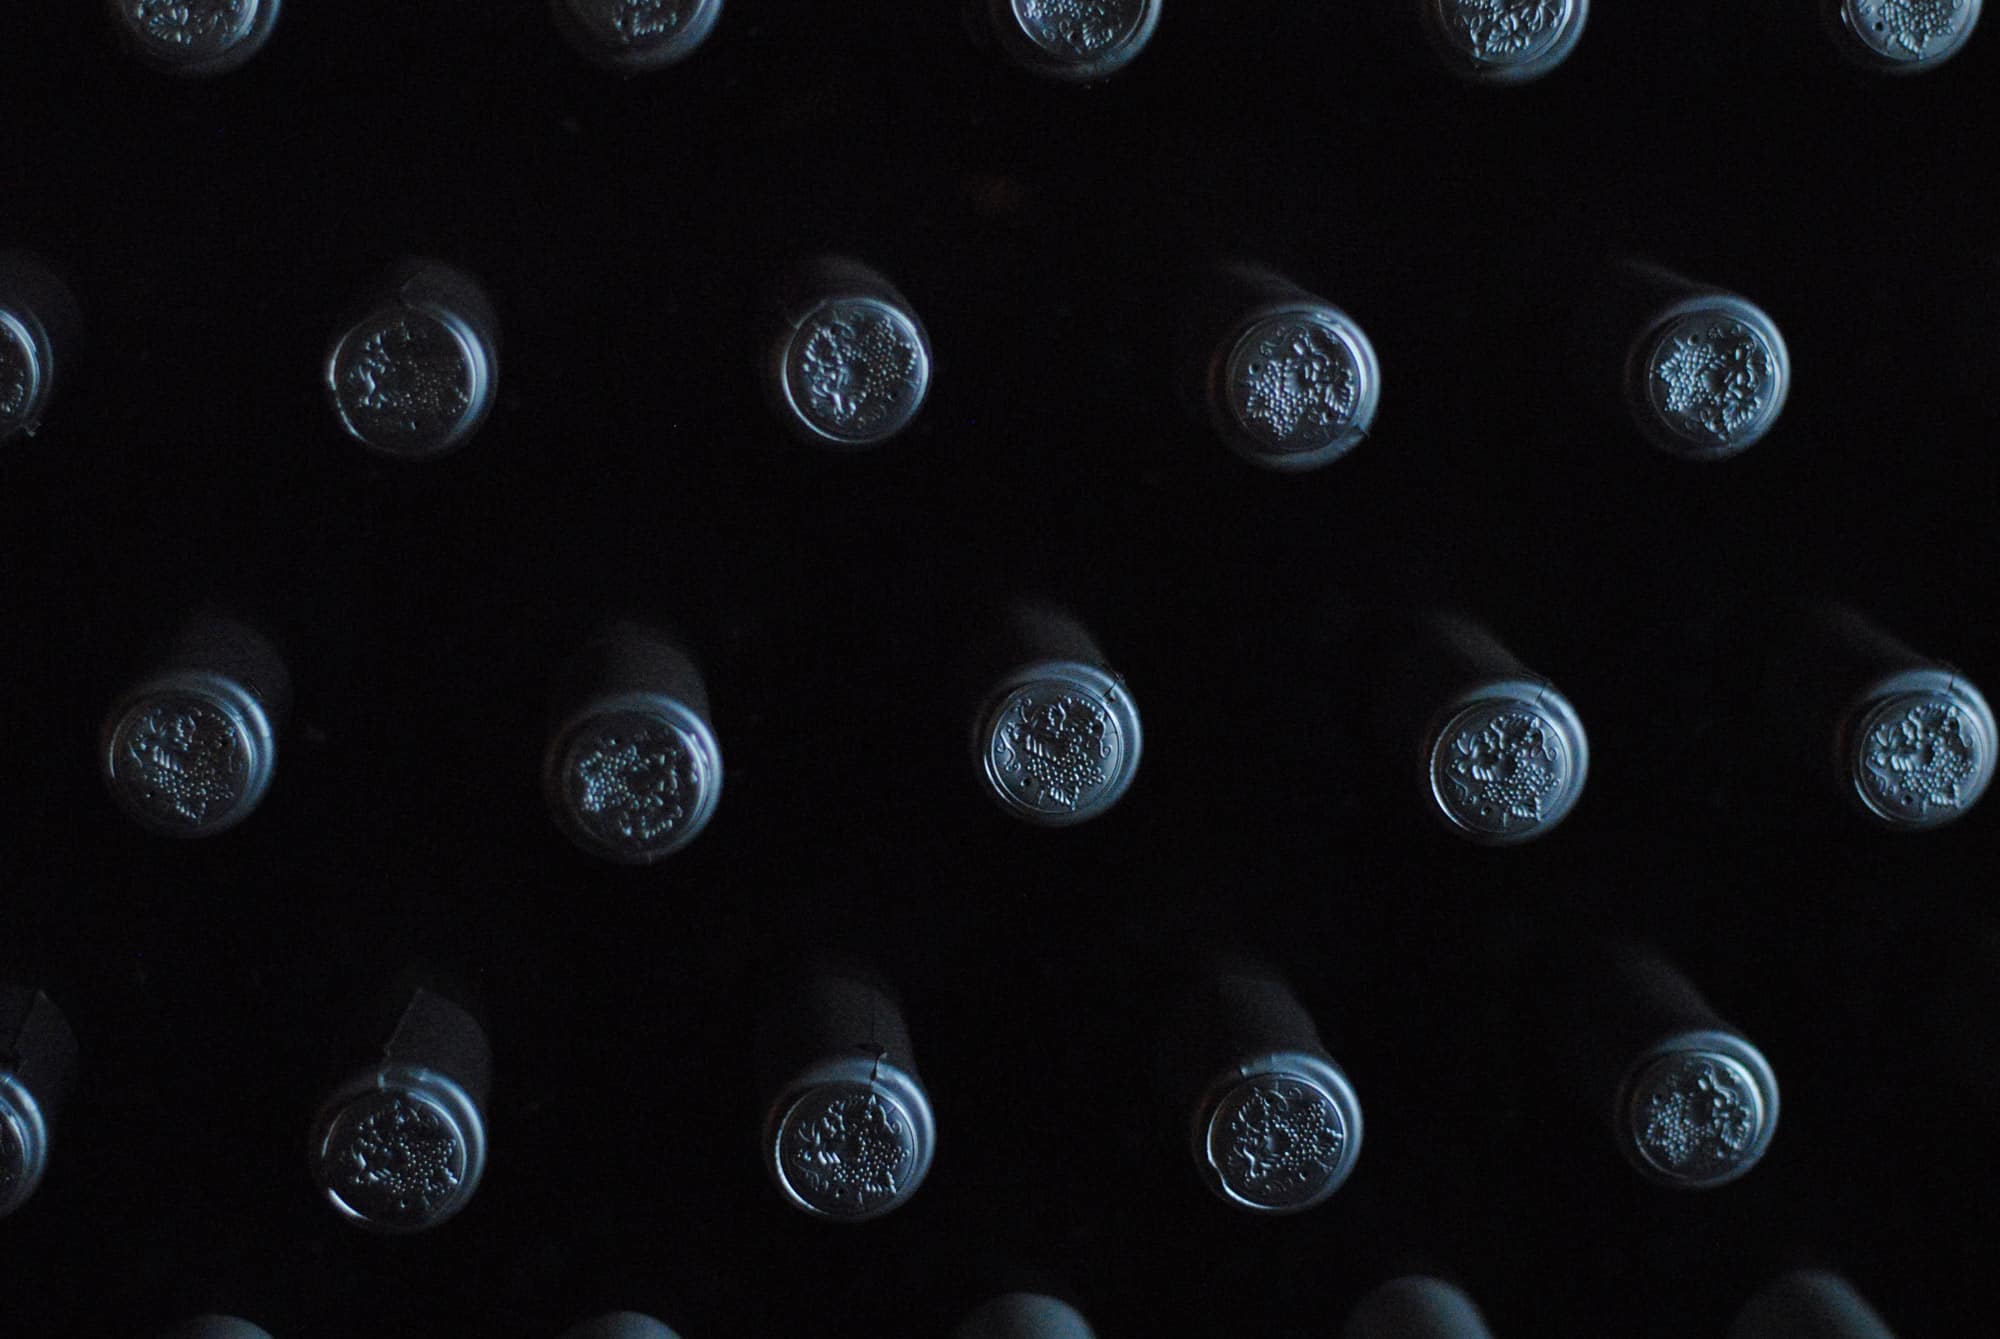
215, 231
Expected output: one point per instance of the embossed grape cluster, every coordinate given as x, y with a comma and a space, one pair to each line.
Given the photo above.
400, 1159
408, 373
1717, 378
1698, 1119
1496, 28
184, 759
189, 23
857, 370
852, 1148
1305, 382
1281, 1135
1914, 24
1085, 27
638, 22
12, 1157
1505, 766
1060, 747
13, 376
635, 787
1923, 759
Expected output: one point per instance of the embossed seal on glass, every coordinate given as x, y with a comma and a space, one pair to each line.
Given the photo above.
38, 1055
637, 782
636, 35
1710, 378
633, 771
1077, 40
395, 1159
20, 375
857, 371
194, 37
848, 1150
400, 1146
1902, 36
1060, 743
40, 331
1299, 388
414, 375
1505, 41
1278, 1142
1920, 758
183, 762
20, 1161
191, 748
849, 1131
1696, 1118
1508, 768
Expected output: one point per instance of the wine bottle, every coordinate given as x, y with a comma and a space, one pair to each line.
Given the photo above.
620, 1325
216, 1327
1701, 372
1070, 42
1690, 1101
1416, 1307
1808, 1304
1496, 750
400, 1145
1287, 380
1908, 741
194, 39
845, 362
635, 36
41, 331
189, 749
413, 370
1273, 1123
1056, 737
1024, 1316
1900, 36
1502, 42
633, 771
38, 1056
849, 1131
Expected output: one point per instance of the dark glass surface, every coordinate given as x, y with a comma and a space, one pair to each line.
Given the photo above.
213, 233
